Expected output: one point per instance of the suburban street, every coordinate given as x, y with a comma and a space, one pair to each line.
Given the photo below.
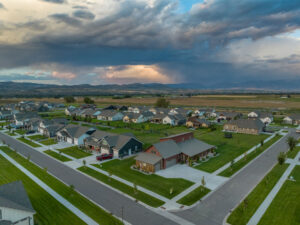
133, 213
213, 209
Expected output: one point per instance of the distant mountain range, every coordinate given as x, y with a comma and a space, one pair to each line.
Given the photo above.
14, 89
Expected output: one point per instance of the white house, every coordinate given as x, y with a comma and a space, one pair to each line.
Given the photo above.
15, 206
174, 120
265, 117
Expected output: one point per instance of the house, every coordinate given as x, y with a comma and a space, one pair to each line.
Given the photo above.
118, 145
49, 128
174, 120
229, 116
70, 110
199, 112
110, 115
211, 113
158, 118
5, 114
265, 117
181, 148
195, 122
22, 120
15, 206
156, 111
74, 134
181, 111
245, 126
134, 118
292, 119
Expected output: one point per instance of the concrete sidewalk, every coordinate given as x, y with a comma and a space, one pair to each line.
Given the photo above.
266, 203
54, 194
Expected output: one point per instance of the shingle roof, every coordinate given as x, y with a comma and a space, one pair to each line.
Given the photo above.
117, 141
148, 158
76, 131
248, 123
167, 148
194, 146
295, 116
13, 195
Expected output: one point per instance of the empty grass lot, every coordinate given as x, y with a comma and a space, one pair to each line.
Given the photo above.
284, 209
194, 196
155, 183
248, 158
26, 141
36, 137
48, 210
49, 141
227, 148
86, 206
241, 215
141, 196
75, 152
57, 156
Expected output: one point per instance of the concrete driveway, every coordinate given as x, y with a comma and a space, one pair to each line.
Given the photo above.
194, 175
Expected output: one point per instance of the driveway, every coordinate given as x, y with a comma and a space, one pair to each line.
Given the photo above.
194, 175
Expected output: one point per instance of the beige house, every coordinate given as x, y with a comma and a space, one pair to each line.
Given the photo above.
245, 126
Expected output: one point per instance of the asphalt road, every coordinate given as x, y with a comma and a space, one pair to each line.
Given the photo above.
213, 209
134, 213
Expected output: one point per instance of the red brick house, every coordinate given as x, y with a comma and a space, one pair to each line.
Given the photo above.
172, 150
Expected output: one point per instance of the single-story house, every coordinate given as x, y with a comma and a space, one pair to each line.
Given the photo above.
15, 206
229, 116
195, 122
172, 150
133, 117
158, 118
110, 115
74, 134
5, 114
292, 119
174, 120
245, 126
265, 117
22, 120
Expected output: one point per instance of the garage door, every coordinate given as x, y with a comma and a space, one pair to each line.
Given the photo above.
157, 166
170, 162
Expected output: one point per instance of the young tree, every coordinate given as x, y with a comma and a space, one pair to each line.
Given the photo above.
171, 190
88, 100
231, 164
162, 103
69, 99
84, 162
281, 158
292, 142
203, 183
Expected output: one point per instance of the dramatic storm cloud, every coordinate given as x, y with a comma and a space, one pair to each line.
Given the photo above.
167, 41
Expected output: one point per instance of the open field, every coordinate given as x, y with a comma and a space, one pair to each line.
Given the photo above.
155, 183
246, 159
57, 156
75, 152
141, 196
242, 214
227, 148
26, 141
49, 210
86, 206
194, 196
235, 101
284, 209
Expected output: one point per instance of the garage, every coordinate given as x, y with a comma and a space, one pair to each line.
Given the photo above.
170, 162
157, 166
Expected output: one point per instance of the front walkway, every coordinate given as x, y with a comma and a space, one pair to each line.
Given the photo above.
266, 203
54, 194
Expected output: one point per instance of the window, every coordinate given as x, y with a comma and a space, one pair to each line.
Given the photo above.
0, 214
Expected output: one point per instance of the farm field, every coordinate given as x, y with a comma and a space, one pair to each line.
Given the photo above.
284, 209
86, 206
155, 183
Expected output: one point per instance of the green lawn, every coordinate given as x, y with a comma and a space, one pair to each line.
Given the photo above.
285, 207
241, 215
293, 154
48, 210
155, 183
194, 196
49, 141
10, 134
75, 152
227, 148
57, 156
86, 206
36, 137
21, 132
29, 142
248, 158
141, 196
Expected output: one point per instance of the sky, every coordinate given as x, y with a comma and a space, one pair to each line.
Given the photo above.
149, 41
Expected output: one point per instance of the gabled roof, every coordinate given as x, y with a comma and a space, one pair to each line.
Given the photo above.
194, 146
108, 113
295, 116
76, 131
118, 141
148, 158
248, 123
167, 148
13, 195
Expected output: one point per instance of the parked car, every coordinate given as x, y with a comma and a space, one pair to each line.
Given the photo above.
104, 157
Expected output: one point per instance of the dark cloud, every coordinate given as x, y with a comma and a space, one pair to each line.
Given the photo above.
65, 18
55, 1
84, 14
